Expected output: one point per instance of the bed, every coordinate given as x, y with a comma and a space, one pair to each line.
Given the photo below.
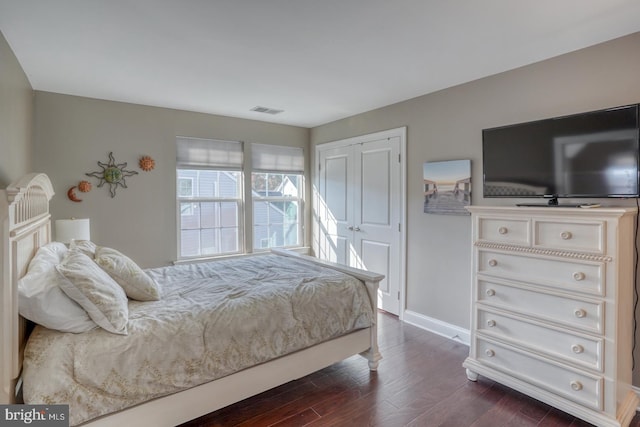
26, 227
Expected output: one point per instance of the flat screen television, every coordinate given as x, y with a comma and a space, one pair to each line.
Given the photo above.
587, 155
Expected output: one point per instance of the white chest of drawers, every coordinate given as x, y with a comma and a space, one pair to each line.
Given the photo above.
552, 307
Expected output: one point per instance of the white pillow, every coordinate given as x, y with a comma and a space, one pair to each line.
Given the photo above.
136, 283
85, 246
40, 298
91, 287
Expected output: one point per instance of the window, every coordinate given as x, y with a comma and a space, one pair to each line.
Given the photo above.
210, 184
277, 195
277, 205
209, 196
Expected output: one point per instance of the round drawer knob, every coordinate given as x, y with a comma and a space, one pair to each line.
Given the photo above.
489, 352
580, 313
490, 292
491, 323
578, 276
576, 385
503, 230
493, 262
566, 235
577, 348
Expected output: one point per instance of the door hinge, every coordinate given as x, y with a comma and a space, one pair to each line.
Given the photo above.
399, 161
398, 295
399, 227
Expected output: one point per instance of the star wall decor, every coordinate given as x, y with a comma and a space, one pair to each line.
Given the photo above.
112, 173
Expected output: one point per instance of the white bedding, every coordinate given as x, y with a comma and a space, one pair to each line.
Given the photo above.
213, 319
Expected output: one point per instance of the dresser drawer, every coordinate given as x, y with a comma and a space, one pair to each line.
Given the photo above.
570, 236
575, 348
572, 384
565, 274
576, 313
504, 231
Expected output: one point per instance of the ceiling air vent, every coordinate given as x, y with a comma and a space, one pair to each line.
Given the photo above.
266, 110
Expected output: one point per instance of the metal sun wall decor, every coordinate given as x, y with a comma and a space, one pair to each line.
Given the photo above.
112, 173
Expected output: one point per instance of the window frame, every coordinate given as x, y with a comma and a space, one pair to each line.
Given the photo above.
245, 201
300, 199
240, 206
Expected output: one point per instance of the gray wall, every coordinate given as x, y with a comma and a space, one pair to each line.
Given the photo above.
16, 117
72, 134
447, 125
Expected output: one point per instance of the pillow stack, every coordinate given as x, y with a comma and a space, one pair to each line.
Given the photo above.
75, 289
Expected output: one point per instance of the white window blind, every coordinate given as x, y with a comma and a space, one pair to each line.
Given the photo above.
209, 153
277, 158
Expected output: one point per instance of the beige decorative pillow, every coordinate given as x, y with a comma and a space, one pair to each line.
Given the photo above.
136, 283
88, 285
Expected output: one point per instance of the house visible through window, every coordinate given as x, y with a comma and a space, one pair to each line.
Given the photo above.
276, 209
210, 188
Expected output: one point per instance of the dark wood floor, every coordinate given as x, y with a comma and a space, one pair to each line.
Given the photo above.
420, 382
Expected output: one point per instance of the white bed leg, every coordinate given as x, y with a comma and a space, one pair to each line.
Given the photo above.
373, 354
373, 357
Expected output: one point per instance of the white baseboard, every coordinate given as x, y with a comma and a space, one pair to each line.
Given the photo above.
437, 326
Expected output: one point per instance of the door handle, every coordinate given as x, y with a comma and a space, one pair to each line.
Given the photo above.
350, 228
357, 229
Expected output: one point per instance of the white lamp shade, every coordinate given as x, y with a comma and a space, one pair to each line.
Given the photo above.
73, 229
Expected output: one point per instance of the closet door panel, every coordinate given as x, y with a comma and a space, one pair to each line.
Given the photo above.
334, 205
375, 203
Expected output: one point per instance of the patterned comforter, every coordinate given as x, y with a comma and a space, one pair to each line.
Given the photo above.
213, 319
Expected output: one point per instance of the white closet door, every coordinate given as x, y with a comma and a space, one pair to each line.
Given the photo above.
358, 208
334, 205
376, 236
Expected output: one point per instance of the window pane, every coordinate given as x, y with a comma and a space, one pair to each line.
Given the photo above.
290, 224
275, 224
190, 242
260, 213
276, 184
228, 214
229, 184
208, 214
291, 235
185, 187
208, 183
292, 185
229, 240
189, 216
261, 236
209, 241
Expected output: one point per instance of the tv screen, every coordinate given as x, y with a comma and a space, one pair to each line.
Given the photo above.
591, 154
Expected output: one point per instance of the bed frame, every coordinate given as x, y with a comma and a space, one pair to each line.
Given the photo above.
26, 225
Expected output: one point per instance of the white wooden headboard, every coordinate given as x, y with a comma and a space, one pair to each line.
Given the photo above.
25, 226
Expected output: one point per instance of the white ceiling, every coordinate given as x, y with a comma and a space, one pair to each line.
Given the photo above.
318, 60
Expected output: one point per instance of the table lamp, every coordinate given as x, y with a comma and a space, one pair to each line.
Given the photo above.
72, 229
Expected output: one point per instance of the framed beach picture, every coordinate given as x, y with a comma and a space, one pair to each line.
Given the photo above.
447, 187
